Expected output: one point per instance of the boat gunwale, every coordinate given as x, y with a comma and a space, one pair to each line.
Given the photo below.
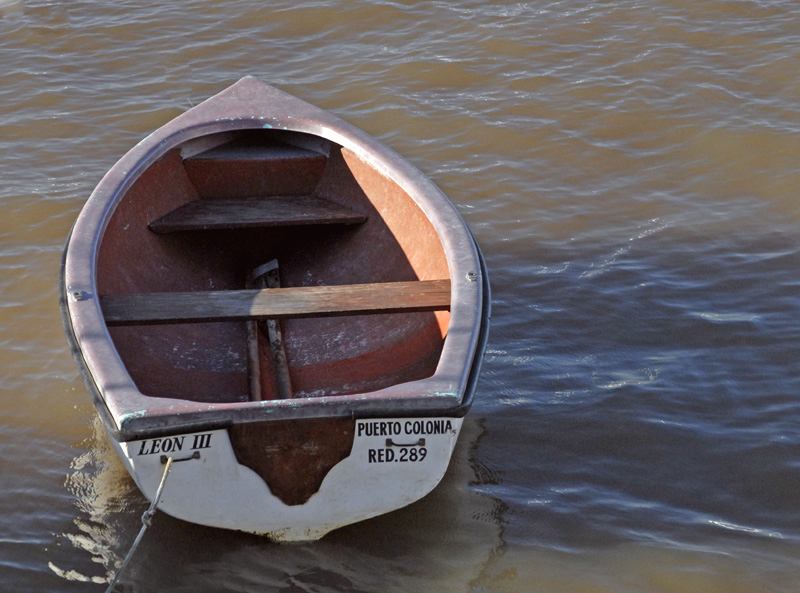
131, 414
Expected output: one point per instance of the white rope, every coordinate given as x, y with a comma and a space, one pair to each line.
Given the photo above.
147, 517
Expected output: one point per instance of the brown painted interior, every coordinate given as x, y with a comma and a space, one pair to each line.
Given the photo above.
330, 356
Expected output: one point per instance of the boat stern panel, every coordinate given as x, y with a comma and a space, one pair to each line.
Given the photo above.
392, 463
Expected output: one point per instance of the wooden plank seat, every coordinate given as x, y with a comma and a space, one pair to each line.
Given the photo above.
275, 303
241, 213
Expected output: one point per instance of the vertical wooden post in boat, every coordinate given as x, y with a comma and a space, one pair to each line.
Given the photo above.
266, 276
253, 356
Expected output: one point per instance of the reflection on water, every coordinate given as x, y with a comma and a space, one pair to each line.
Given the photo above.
104, 497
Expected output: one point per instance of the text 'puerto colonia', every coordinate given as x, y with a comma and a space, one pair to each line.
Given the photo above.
390, 428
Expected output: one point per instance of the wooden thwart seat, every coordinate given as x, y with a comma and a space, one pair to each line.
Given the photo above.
275, 303
241, 213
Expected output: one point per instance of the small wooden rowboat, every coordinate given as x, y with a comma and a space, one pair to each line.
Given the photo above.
284, 307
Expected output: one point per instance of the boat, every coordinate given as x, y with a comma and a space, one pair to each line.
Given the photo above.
281, 310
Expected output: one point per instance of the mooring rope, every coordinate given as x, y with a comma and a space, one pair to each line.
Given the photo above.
147, 517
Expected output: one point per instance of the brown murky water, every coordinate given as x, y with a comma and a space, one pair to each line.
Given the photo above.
630, 169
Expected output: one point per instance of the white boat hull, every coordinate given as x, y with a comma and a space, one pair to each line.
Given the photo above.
393, 463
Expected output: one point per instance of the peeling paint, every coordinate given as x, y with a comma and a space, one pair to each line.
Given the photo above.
132, 416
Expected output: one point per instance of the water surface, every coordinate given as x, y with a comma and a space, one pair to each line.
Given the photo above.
630, 171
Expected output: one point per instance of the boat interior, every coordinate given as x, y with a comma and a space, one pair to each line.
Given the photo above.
256, 211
